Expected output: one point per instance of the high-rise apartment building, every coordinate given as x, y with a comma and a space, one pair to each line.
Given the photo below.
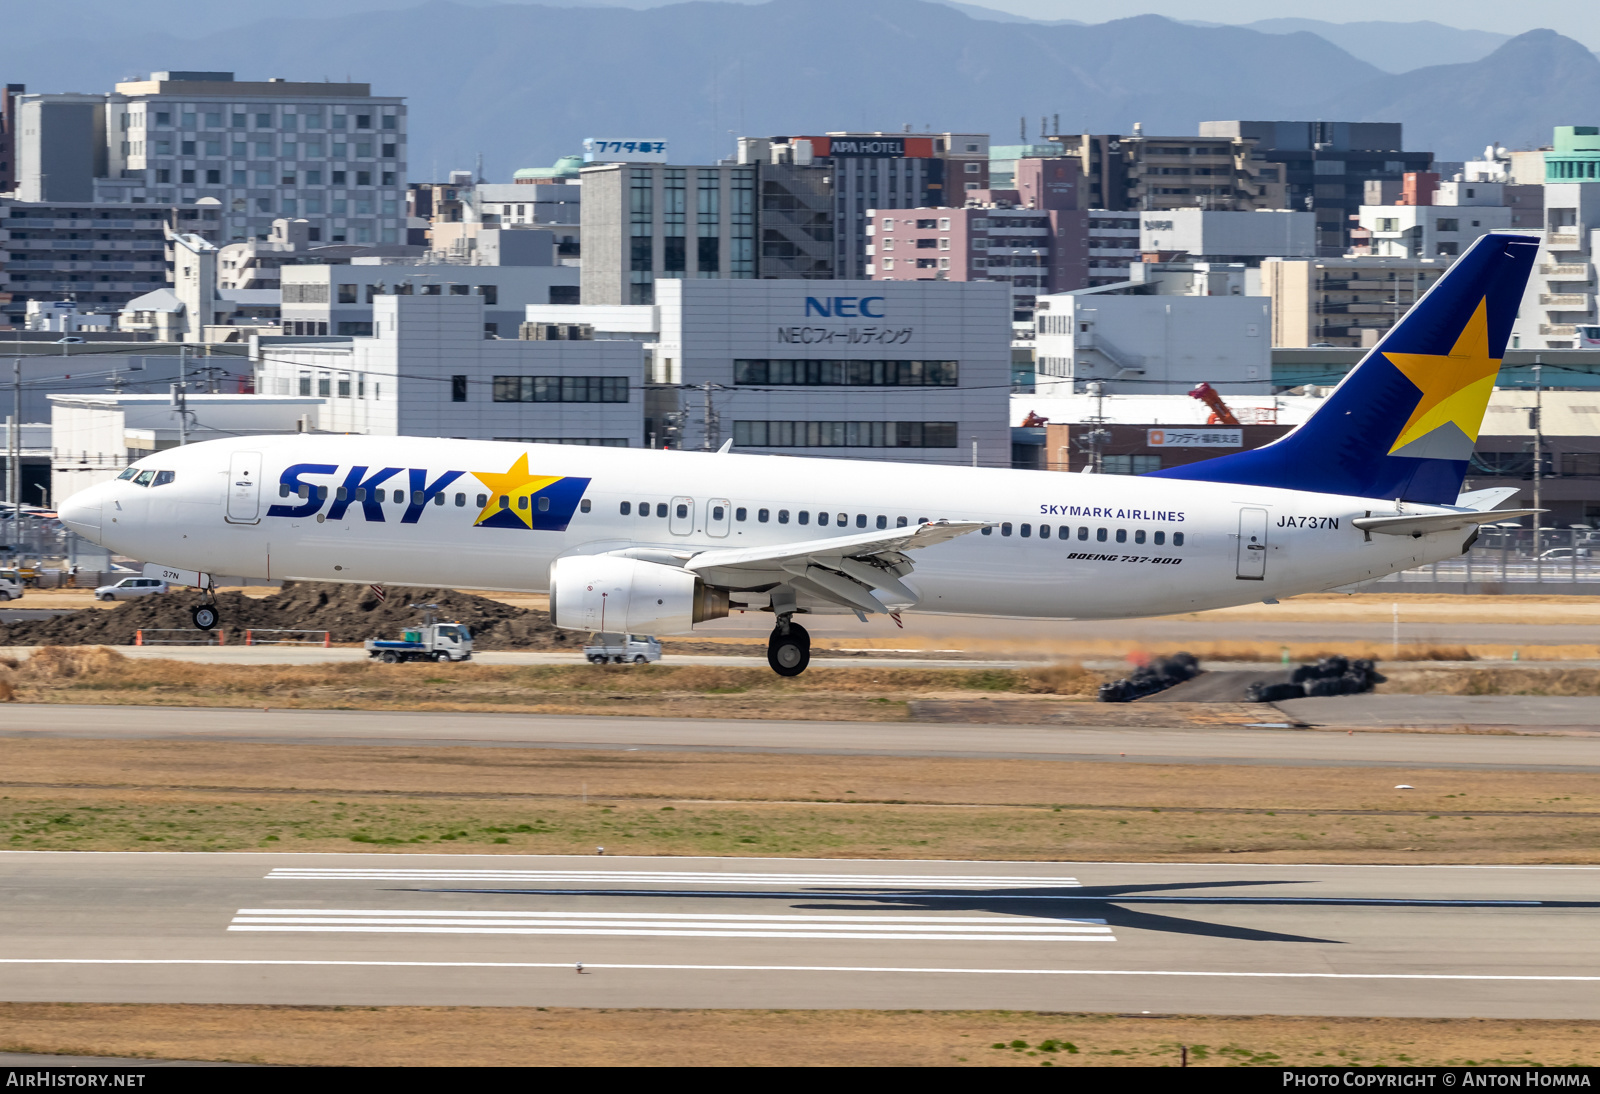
647, 222
848, 174
1135, 171
1559, 307
1326, 166
333, 154
8, 134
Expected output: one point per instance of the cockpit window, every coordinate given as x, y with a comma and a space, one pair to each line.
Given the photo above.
144, 478
164, 477
128, 473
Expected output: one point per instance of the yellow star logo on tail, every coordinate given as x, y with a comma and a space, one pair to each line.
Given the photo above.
1455, 391
511, 494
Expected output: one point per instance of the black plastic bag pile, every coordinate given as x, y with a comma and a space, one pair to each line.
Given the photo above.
1329, 676
1159, 675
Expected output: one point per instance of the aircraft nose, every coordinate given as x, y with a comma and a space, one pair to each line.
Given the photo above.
81, 512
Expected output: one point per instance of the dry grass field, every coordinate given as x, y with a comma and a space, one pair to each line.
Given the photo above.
218, 796
557, 1037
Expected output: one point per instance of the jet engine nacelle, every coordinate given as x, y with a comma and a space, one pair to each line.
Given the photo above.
625, 595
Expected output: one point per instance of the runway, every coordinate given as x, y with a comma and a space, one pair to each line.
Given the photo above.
1211, 744
365, 930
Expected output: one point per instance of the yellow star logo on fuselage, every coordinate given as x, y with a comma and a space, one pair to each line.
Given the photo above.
512, 492
1455, 386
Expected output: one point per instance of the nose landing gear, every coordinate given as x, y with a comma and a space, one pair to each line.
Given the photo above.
205, 616
789, 648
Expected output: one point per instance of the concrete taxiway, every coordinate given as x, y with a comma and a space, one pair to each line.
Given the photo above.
794, 933
1211, 744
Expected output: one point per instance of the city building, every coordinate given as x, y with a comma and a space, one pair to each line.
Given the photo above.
1152, 343
1442, 224
338, 299
1348, 301
332, 153
429, 372
1114, 246
1139, 172
255, 263
912, 371
1560, 299
848, 173
98, 256
1003, 161
492, 207
1204, 235
93, 437
8, 136
1034, 238
1325, 166
636, 225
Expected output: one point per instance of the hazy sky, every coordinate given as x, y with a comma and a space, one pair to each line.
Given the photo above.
1574, 18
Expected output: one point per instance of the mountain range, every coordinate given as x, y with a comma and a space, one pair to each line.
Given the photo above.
525, 83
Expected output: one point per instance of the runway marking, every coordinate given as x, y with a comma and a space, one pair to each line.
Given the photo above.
567, 966
675, 877
674, 925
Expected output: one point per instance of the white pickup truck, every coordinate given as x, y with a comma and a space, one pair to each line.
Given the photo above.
622, 649
431, 642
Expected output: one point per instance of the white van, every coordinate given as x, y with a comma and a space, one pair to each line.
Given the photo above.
10, 585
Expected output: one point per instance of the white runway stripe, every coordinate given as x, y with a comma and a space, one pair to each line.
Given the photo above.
673, 877
673, 925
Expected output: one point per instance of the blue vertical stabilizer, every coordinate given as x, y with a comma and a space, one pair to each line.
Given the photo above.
1404, 421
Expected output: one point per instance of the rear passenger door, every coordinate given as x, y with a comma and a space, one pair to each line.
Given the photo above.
1252, 544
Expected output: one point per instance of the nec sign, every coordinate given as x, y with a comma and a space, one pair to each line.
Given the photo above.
845, 307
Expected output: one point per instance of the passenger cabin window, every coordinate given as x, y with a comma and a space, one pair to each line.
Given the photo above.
1100, 535
544, 504
861, 520
883, 522
682, 511
1005, 528
804, 516
1083, 533
987, 530
899, 522
1044, 531
822, 519
283, 488
1160, 538
483, 501
783, 516
627, 508
461, 501
717, 511
1122, 535
740, 514
1138, 537
1177, 539
522, 502
762, 515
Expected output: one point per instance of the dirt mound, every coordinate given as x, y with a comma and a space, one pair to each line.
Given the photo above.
351, 613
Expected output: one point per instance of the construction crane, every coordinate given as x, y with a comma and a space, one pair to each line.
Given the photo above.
1220, 414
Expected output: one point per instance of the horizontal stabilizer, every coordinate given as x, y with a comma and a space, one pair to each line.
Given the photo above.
1405, 524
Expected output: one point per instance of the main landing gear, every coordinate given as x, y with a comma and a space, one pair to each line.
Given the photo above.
789, 648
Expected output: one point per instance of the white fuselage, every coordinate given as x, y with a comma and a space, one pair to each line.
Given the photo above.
1098, 556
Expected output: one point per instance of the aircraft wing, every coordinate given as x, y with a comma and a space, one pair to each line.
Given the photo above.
842, 570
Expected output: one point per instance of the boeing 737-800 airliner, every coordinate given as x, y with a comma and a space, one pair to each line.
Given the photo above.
658, 542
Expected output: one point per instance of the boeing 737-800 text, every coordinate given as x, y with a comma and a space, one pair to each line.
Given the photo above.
658, 542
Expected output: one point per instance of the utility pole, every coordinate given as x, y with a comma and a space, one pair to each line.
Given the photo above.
14, 456
1538, 460
179, 399
710, 420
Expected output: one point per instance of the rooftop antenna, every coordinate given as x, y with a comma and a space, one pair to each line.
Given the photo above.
1024, 130
481, 179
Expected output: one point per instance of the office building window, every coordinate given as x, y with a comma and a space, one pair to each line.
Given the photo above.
847, 373
458, 389
759, 434
560, 389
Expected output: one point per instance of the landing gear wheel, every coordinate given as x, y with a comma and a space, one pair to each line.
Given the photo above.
205, 616
789, 654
